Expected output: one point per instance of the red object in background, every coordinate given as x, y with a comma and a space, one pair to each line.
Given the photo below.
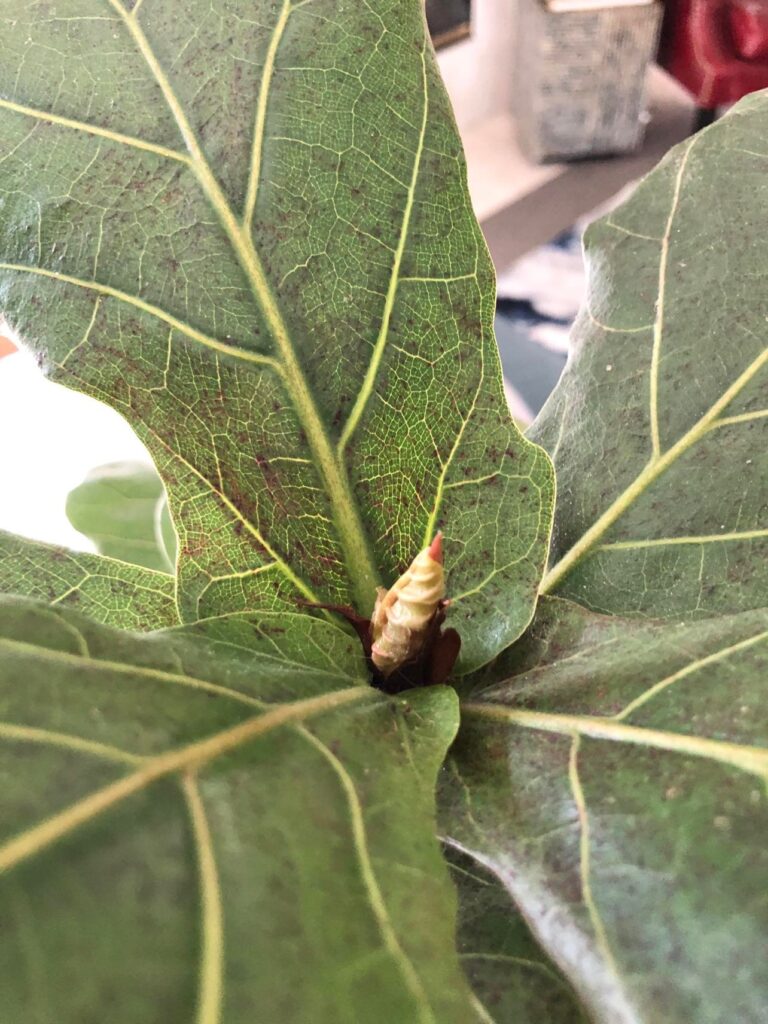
6, 346
717, 49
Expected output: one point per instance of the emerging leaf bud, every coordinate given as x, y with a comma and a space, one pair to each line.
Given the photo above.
403, 614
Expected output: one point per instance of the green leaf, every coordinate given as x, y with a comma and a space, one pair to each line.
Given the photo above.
166, 534
184, 838
111, 592
616, 785
120, 507
252, 236
658, 427
513, 981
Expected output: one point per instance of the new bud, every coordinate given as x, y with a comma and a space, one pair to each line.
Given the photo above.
403, 614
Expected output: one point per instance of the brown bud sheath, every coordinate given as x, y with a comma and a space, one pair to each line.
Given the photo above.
403, 613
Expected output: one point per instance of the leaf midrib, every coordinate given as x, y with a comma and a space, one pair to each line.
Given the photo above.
192, 757
362, 572
659, 461
753, 760
361, 568
187, 762
655, 467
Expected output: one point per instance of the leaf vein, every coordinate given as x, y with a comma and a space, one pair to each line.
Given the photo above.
394, 279
92, 129
753, 760
585, 871
261, 112
210, 993
66, 741
191, 757
354, 541
689, 669
658, 325
373, 891
145, 307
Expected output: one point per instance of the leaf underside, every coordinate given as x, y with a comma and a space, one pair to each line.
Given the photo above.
610, 772
512, 979
658, 427
195, 829
616, 784
251, 235
107, 591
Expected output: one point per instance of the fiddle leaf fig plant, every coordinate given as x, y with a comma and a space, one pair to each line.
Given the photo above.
228, 776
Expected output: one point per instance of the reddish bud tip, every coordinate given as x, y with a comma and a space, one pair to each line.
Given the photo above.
435, 551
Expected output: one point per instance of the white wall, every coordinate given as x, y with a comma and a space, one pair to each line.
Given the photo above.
478, 70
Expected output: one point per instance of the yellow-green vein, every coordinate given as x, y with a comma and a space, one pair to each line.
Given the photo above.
585, 870
658, 325
687, 670
66, 741
380, 344
261, 113
483, 1015
372, 888
157, 675
92, 129
647, 476
147, 307
429, 530
744, 417
189, 758
753, 760
660, 542
248, 526
362, 571
210, 990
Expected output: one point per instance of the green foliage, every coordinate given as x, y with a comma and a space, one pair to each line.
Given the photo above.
658, 426
512, 978
249, 232
122, 508
192, 819
110, 592
266, 260
615, 782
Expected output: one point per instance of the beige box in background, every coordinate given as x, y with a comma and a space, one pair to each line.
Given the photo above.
580, 77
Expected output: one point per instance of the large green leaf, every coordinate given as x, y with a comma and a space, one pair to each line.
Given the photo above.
111, 592
617, 786
250, 233
513, 981
185, 824
659, 425
120, 508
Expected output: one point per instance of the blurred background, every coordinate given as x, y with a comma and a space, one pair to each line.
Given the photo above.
561, 106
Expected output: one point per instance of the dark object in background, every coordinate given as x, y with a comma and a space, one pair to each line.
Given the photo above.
530, 367
533, 335
448, 20
716, 49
